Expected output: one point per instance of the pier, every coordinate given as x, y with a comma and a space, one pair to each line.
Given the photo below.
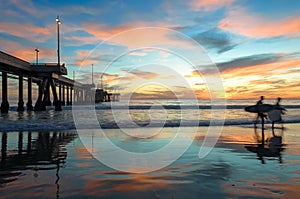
50, 79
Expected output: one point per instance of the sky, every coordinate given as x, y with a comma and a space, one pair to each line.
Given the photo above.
164, 49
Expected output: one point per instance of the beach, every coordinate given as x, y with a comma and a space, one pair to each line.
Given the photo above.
53, 162
149, 99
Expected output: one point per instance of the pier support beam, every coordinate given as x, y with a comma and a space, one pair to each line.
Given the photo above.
4, 104
68, 96
39, 106
75, 100
63, 103
56, 102
44, 95
21, 102
59, 94
82, 95
71, 95
48, 100
29, 102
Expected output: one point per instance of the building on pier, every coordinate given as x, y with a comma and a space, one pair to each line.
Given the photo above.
105, 96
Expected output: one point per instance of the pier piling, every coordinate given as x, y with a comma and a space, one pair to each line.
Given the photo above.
63, 103
29, 100
4, 104
21, 101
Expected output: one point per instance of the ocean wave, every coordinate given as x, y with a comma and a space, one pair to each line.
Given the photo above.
51, 120
178, 107
108, 106
54, 125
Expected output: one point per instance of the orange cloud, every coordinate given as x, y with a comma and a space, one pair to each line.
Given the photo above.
27, 6
31, 32
280, 78
102, 32
194, 73
138, 34
240, 21
209, 5
142, 74
26, 53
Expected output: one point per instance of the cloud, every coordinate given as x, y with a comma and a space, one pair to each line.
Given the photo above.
27, 6
247, 61
217, 39
142, 74
209, 5
80, 40
158, 92
24, 52
85, 58
162, 94
86, 77
137, 34
242, 22
28, 31
137, 53
194, 73
103, 31
272, 79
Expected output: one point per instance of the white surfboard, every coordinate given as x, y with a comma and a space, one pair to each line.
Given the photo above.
275, 115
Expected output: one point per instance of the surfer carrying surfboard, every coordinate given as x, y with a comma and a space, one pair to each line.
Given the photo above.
274, 111
260, 114
275, 114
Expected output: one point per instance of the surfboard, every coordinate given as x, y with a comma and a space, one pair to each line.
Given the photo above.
275, 115
262, 108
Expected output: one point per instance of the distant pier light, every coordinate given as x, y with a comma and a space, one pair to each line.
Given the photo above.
58, 45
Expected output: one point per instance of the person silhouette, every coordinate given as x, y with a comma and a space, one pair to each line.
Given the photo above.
260, 101
260, 114
278, 102
279, 110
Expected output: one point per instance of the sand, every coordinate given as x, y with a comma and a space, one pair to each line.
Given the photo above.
239, 166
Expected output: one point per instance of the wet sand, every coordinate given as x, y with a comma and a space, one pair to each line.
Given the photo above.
56, 165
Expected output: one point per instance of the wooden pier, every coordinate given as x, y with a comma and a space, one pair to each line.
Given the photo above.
104, 96
48, 77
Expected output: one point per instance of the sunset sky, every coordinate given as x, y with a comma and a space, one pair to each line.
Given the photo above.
254, 43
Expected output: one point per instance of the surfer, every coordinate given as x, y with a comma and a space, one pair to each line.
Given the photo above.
275, 115
260, 101
260, 114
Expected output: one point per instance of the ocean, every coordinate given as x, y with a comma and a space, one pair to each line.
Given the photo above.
43, 156
172, 112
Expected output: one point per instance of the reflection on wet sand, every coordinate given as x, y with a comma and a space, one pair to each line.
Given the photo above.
46, 151
267, 147
37, 165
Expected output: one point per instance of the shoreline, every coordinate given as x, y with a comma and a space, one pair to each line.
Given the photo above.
11, 126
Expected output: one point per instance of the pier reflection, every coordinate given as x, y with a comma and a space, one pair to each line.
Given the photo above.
32, 151
270, 147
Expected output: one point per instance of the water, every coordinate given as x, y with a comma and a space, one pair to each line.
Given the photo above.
170, 113
43, 157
